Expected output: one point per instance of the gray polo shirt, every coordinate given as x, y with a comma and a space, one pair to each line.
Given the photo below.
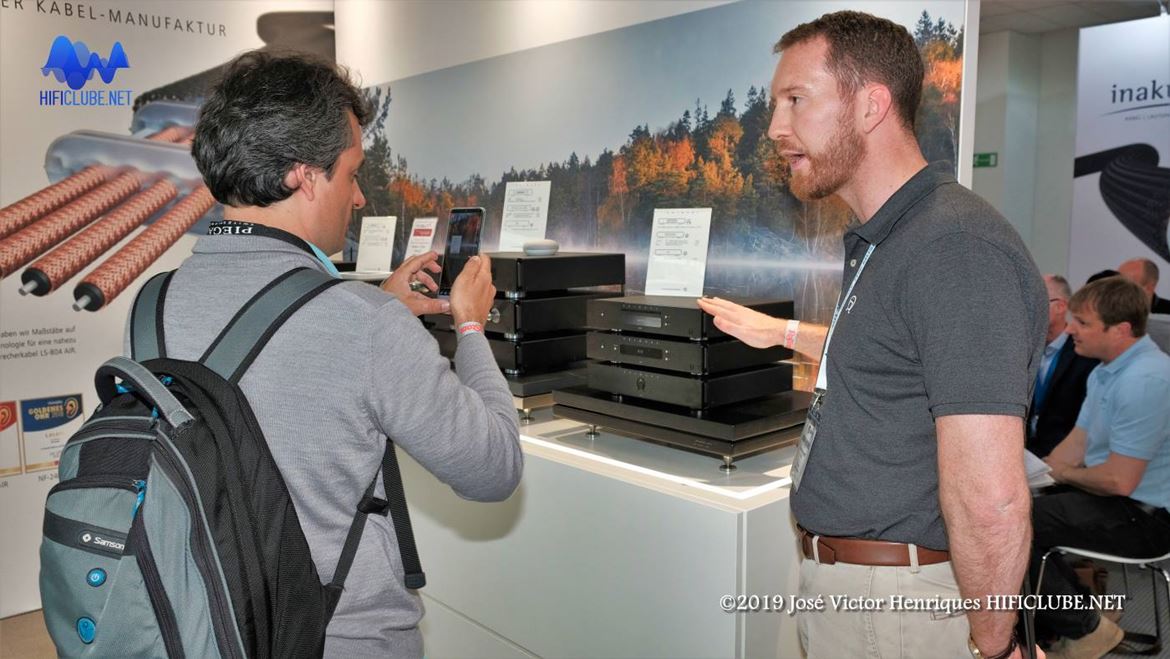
949, 317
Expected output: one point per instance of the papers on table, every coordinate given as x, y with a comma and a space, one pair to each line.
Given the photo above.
678, 251
1037, 471
422, 236
525, 214
376, 244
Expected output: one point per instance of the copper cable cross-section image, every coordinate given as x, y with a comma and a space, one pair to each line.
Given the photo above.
101, 286
26, 244
20, 214
55, 268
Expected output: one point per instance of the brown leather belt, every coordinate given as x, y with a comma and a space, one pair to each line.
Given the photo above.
865, 552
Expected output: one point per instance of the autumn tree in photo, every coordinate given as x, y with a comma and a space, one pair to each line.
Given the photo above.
762, 237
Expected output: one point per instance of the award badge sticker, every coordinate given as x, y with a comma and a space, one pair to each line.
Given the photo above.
9, 440
46, 424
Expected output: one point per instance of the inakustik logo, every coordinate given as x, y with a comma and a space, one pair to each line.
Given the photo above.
72, 64
1155, 91
72, 407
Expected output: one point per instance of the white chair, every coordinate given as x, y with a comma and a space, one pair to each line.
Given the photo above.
1151, 564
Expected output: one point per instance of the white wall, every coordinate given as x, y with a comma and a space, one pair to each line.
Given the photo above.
1026, 96
1055, 151
1007, 94
991, 115
424, 35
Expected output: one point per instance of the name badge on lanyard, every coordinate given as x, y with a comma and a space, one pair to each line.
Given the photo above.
809, 434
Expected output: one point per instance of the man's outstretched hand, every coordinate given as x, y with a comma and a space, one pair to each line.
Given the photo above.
752, 327
417, 268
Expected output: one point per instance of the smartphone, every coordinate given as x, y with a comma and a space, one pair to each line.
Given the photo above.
464, 228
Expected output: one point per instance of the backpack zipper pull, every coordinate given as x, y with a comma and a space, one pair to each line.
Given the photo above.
140, 488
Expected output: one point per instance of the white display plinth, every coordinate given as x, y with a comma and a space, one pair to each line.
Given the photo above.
611, 547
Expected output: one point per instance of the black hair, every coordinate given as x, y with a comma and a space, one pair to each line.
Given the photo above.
268, 112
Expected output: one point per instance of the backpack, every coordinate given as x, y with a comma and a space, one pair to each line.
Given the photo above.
171, 531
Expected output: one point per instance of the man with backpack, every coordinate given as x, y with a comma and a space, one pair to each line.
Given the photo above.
279, 144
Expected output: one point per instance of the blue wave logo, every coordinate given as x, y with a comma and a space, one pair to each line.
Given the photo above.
73, 64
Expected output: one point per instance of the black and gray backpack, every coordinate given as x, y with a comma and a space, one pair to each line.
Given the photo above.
171, 532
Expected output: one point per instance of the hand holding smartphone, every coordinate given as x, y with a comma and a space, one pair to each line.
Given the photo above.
464, 228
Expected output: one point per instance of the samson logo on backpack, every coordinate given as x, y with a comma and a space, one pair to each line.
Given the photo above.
171, 531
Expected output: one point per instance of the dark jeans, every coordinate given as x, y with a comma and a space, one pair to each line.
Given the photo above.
1069, 517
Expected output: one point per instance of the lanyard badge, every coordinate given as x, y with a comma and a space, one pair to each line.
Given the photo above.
809, 434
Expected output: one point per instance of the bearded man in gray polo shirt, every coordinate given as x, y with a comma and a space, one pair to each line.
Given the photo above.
910, 481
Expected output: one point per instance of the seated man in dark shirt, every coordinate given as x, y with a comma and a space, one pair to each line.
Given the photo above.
1116, 462
1144, 273
1060, 383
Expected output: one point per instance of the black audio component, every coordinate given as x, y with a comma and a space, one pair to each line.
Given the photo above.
665, 315
532, 385
694, 392
534, 355
516, 274
530, 315
730, 423
731, 432
691, 357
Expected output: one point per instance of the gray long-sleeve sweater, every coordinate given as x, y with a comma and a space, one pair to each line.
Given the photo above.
350, 368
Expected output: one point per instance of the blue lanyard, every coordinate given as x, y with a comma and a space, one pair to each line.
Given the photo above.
329, 267
822, 376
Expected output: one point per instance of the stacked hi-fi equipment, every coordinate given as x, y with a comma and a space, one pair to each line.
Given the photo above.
661, 370
536, 328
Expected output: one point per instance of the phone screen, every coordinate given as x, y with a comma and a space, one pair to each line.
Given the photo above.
464, 226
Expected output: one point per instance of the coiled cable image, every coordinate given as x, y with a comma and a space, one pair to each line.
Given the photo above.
1135, 189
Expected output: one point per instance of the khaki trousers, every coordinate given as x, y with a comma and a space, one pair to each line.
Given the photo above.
885, 633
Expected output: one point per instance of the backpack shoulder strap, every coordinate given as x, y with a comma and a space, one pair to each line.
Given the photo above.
146, 319
403, 531
238, 345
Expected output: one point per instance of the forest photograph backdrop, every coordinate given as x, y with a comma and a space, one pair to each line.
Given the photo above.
706, 151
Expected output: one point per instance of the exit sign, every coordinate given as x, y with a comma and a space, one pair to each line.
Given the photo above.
986, 159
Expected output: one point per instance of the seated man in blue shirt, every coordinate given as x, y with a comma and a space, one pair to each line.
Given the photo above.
1116, 461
